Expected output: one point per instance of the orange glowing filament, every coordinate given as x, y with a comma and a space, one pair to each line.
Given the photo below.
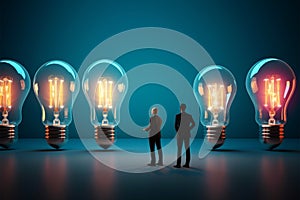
104, 94
215, 97
56, 95
5, 93
272, 93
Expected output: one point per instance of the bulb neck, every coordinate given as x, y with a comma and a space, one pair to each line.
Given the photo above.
56, 136
8, 135
105, 136
271, 135
215, 135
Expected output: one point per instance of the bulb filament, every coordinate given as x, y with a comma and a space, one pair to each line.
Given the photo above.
5, 93
56, 97
56, 100
5, 97
215, 98
272, 93
104, 97
272, 96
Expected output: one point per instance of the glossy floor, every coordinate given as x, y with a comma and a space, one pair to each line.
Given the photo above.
239, 170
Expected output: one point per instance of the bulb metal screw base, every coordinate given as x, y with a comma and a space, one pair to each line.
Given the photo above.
215, 135
8, 135
105, 136
271, 135
56, 136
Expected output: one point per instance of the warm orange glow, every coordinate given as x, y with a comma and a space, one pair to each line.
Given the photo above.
110, 94
5, 93
56, 93
216, 97
272, 93
104, 93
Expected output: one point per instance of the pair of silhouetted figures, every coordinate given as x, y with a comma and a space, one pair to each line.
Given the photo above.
183, 124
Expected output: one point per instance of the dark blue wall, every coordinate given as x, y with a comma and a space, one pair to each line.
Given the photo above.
236, 35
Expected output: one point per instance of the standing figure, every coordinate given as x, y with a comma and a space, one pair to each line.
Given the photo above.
183, 124
154, 137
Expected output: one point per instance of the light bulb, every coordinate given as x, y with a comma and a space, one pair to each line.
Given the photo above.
270, 84
105, 85
14, 88
56, 85
215, 88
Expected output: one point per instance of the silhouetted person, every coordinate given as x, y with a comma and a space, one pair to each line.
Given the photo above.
154, 137
183, 124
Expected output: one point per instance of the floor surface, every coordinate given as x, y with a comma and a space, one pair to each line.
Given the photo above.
240, 169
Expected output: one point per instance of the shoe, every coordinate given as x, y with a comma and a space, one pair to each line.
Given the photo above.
151, 164
186, 166
177, 166
160, 164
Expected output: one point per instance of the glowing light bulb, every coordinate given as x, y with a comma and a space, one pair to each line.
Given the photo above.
270, 84
215, 88
14, 88
56, 85
105, 85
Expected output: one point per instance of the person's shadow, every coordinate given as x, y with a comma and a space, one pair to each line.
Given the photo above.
228, 150
169, 170
48, 150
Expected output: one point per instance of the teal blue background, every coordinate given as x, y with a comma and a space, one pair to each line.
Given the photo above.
235, 34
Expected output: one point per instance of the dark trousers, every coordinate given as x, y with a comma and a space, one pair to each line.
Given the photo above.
155, 140
186, 141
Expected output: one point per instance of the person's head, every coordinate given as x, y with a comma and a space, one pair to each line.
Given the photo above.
154, 111
182, 107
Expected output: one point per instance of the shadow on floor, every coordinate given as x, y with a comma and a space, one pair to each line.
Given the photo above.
285, 150
228, 150
104, 150
170, 170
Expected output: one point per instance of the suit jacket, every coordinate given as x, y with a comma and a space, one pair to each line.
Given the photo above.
154, 126
184, 122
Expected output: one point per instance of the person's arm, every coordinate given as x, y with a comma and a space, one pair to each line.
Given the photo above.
192, 123
177, 123
148, 127
160, 123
